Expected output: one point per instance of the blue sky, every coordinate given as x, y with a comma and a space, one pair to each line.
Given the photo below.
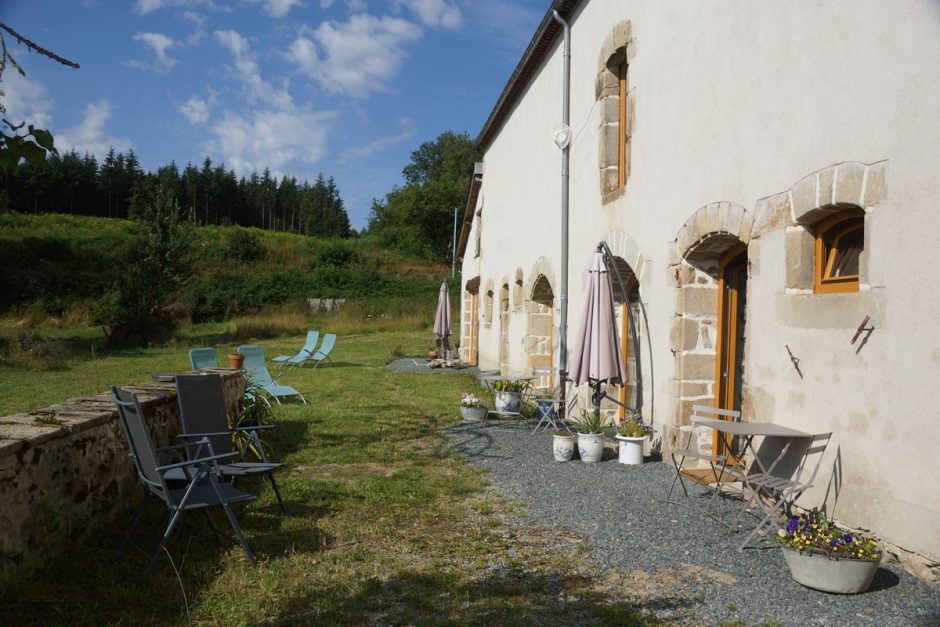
344, 87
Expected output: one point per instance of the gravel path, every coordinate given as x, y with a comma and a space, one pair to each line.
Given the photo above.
688, 564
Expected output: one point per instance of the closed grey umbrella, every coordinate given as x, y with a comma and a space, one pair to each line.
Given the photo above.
443, 327
596, 357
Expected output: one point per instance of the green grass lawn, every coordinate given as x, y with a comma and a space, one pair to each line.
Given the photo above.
387, 525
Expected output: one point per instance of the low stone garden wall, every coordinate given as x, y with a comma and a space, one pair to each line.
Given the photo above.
65, 471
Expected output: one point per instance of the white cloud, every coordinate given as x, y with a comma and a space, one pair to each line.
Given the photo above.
269, 139
159, 43
435, 13
144, 7
196, 110
89, 135
249, 73
358, 56
26, 100
199, 21
407, 132
279, 8
355, 6
326, 4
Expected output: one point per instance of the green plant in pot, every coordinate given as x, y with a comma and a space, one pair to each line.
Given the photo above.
507, 395
826, 557
590, 428
253, 411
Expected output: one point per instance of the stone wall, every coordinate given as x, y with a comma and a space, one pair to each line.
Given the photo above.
65, 471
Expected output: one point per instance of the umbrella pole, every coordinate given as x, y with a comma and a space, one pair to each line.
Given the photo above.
597, 399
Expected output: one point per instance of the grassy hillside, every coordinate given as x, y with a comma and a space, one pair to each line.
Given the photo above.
60, 266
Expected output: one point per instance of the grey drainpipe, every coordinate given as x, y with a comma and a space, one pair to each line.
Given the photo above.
563, 297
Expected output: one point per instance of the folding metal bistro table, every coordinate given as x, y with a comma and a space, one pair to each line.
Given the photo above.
747, 431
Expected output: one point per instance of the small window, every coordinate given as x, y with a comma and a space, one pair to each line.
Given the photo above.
840, 241
479, 240
622, 170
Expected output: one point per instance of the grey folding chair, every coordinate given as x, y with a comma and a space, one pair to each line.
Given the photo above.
782, 492
715, 462
200, 488
202, 413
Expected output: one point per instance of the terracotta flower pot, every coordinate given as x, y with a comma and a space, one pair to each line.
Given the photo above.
236, 360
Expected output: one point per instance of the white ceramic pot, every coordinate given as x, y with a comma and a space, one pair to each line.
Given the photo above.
631, 450
839, 575
590, 447
473, 413
563, 447
508, 402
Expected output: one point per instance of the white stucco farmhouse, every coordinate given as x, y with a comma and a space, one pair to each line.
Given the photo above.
767, 175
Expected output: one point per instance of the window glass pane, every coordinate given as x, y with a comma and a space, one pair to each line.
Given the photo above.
847, 248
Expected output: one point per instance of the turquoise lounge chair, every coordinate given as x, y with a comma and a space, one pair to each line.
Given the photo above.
329, 340
259, 375
200, 358
310, 347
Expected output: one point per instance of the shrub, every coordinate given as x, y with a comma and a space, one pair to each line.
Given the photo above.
245, 246
334, 253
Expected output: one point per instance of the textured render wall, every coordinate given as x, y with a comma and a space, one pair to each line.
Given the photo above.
65, 471
759, 105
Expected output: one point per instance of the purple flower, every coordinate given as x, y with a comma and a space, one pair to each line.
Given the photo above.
793, 524
847, 537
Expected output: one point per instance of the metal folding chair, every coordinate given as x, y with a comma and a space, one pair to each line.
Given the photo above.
202, 414
200, 488
782, 492
716, 463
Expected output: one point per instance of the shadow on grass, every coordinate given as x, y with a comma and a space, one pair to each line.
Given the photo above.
504, 597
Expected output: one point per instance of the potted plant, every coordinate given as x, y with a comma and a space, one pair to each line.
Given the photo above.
507, 395
236, 360
590, 437
563, 444
472, 407
824, 557
632, 434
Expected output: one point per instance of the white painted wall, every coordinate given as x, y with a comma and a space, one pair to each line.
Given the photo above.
737, 101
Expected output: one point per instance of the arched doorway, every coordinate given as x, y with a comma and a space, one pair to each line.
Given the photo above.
712, 311
470, 322
539, 344
504, 329
627, 311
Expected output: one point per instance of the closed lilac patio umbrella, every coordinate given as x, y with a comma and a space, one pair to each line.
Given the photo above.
442, 321
596, 358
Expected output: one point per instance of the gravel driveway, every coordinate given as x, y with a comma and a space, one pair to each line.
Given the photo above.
672, 560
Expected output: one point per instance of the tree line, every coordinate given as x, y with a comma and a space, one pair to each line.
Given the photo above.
118, 187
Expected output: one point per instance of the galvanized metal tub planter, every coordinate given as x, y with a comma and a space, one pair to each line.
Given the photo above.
830, 574
473, 413
508, 402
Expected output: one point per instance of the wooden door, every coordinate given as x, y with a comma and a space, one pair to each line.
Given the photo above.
472, 346
504, 332
729, 367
